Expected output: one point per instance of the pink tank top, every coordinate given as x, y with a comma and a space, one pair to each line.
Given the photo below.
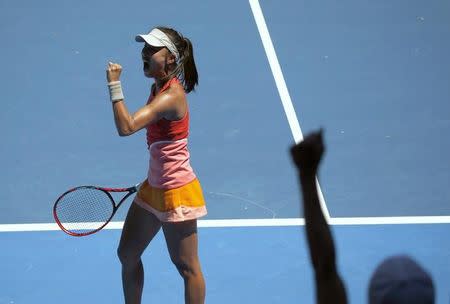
169, 165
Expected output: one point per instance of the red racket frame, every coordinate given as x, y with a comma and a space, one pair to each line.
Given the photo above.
108, 192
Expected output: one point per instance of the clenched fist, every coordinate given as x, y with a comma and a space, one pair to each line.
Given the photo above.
113, 71
308, 153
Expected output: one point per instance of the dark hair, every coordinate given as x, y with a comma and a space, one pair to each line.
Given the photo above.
186, 67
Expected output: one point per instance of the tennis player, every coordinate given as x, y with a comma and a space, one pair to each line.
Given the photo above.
171, 196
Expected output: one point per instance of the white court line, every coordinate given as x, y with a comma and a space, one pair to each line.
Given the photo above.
343, 221
390, 220
201, 223
281, 86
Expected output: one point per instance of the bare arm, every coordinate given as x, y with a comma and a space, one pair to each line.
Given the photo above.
163, 105
329, 286
127, 124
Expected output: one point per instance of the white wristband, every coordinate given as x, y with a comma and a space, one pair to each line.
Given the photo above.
115, 91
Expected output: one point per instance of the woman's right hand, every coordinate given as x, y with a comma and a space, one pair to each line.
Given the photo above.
113, 72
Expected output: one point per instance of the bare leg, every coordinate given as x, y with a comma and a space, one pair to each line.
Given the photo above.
182, 242
139, 229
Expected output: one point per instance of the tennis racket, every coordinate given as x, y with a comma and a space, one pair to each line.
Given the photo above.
85, 210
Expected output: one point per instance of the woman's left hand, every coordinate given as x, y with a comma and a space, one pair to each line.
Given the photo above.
113, 72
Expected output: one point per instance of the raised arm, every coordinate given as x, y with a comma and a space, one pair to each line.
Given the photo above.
329, 286
163, 105
128, 124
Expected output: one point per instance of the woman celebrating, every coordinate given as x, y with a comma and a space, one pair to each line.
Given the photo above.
171, 196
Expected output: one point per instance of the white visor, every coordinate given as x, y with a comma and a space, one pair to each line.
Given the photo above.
158, 38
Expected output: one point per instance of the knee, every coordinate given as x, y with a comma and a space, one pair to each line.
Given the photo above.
126, 257
187, 269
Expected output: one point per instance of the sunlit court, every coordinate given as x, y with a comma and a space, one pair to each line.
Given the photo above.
373, 75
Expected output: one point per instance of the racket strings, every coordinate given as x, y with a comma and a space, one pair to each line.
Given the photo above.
85, 209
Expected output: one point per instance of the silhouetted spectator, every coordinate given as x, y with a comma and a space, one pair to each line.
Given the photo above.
397, 280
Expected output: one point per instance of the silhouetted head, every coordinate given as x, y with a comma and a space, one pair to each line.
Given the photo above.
400, 280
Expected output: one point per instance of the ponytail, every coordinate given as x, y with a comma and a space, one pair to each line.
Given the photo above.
189, 68
186, 70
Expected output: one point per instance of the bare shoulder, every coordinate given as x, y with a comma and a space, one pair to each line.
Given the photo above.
175, 99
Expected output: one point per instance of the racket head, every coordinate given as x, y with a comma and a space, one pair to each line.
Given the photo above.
83, 210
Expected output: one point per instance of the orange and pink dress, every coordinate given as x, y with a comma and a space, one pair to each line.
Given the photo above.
171, 191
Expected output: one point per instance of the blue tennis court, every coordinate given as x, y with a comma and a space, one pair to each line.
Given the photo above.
374, 75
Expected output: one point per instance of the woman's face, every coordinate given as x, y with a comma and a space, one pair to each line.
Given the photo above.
156, 61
